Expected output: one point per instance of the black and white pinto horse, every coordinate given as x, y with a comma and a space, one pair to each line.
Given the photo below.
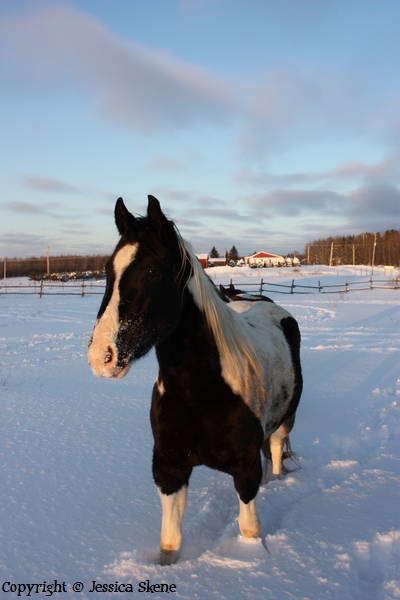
229, 378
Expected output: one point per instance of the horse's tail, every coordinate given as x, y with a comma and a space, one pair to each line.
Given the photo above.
286, 454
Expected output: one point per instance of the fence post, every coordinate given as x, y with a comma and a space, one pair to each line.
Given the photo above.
261, 286
347, 287
83, 287
41, 288
319, 287
291, 289
370, 283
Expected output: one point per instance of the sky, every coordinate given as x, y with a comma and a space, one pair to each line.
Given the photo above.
262, 124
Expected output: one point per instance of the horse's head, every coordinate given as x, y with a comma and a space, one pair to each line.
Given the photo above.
144, 294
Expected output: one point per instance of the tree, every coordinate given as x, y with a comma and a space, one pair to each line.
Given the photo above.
383, 249
214, 253
233, 254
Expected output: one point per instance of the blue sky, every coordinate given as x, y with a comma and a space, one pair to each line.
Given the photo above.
264, 124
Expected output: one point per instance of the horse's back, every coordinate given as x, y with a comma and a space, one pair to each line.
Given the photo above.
258, 311
276, 337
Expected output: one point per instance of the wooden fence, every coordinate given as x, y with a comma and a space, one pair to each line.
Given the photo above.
334, 288
88, 288
46, 288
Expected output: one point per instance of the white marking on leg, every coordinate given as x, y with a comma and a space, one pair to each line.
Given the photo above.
173, 507
276, 442
249, 523
102, 353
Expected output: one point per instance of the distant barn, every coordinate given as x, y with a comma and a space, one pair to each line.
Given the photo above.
206, 261
264, 259
267, 259
203, 260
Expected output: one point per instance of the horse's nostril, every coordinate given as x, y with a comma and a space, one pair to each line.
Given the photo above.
108, 355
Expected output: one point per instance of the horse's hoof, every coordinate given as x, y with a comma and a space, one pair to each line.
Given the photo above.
168, 557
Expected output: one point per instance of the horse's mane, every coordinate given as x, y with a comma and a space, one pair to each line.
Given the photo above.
240, 363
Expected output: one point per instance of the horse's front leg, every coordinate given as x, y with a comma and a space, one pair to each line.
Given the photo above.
171, 477
247, 482
173, 508
249, 523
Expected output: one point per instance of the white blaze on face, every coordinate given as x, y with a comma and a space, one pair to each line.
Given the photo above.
102, 353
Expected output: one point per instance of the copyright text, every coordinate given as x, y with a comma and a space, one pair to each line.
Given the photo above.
56, 587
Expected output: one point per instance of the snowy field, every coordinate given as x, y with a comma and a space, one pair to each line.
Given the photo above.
77, 499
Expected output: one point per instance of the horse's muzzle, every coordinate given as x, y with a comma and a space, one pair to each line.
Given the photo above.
104, 361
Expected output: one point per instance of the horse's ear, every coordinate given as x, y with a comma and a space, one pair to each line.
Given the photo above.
158, 220
123, 218
154, 212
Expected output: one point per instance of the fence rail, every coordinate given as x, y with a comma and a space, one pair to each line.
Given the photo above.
88, 288
340, 288
45, 288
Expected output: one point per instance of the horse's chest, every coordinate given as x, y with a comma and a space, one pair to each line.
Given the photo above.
212, 427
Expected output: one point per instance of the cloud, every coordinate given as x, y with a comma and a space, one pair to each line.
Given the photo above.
163, 163
24, 243
29, 208
343, 173
152, 91
221, 214
47, 184
105, 211
131, 84
290, 105
374, 208
16, 244
295, 202
210, 201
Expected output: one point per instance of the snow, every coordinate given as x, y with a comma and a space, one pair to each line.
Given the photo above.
78, 502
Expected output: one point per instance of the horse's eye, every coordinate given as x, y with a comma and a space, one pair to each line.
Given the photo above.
153, 275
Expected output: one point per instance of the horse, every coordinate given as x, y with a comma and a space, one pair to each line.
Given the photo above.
229, 379
235, 295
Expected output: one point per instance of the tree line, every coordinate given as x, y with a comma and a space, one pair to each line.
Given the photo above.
39, 267
363, 249
233, 254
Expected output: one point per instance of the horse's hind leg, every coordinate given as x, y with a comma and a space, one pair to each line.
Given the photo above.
276, 443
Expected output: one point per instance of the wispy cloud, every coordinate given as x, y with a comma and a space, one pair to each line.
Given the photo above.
131, 84
225, 213
151, 91
30, 208
295, 202
368, 208
343, 173
47, 184
163, 163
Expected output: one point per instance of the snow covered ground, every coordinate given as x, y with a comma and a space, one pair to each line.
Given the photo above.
77, 499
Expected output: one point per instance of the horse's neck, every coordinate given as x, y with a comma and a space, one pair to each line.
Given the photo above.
190, 345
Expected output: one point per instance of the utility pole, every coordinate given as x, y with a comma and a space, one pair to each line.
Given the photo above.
308, 254
5, 269
47, 260
330, 258
373, 255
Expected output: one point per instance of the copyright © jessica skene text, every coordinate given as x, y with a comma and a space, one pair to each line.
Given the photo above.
57, 587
